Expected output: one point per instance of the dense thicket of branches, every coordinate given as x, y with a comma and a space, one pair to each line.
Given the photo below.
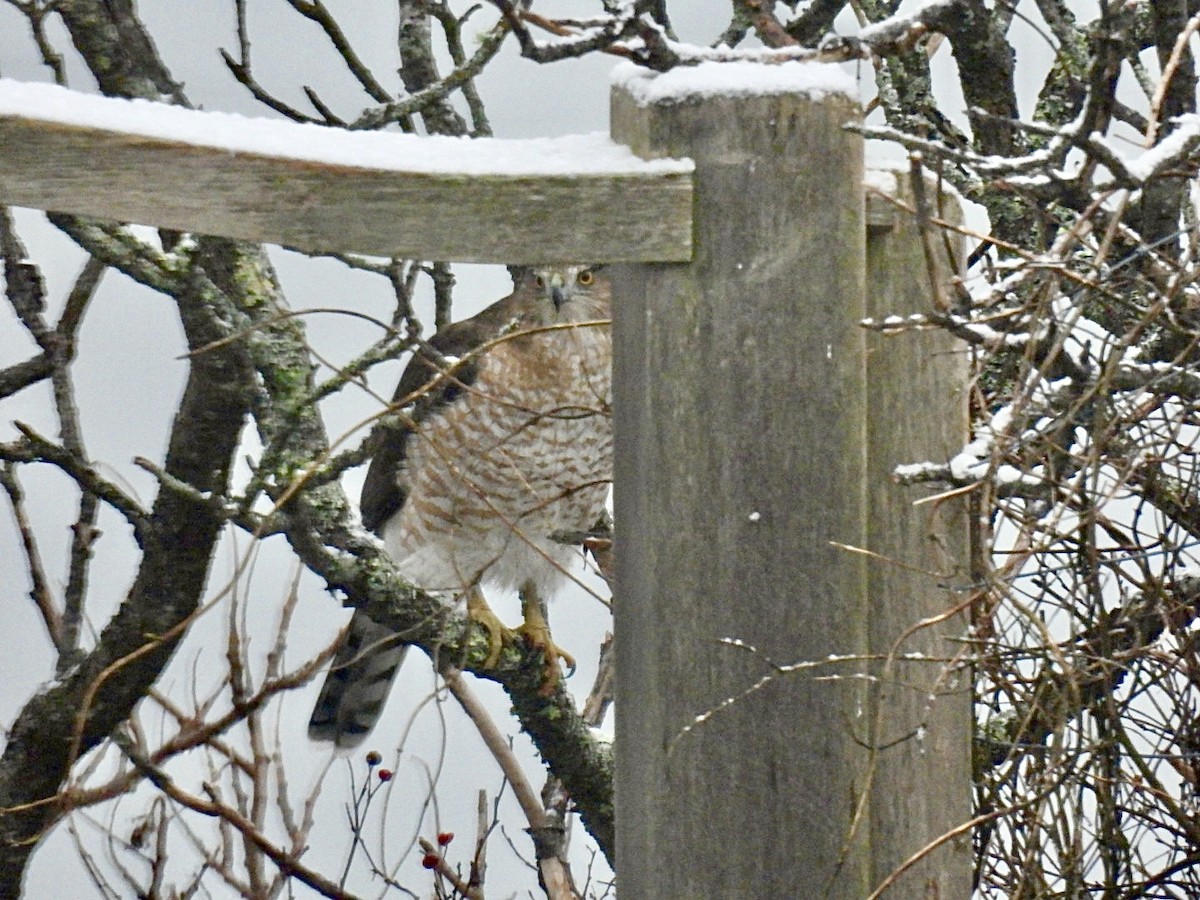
1078, 305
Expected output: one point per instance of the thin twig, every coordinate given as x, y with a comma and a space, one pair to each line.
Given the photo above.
40, 590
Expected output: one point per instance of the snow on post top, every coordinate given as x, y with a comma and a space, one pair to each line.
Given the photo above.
741, 78
574, 155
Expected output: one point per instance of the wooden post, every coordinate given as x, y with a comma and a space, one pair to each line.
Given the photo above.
921, 710
740, 416
754, 435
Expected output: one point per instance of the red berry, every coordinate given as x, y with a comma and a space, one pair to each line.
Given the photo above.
374, 758
430, 860
385, 774
445, 837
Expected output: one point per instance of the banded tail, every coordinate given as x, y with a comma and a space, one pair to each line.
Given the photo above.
357, 685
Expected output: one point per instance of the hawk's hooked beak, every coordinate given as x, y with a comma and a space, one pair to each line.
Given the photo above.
558, 293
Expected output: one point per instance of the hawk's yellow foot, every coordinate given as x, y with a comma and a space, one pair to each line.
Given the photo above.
499, 634
536, 632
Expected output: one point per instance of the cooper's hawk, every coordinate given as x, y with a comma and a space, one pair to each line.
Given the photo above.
505, 441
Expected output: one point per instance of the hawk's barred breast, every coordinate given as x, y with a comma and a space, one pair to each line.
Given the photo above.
504, 440
523, 453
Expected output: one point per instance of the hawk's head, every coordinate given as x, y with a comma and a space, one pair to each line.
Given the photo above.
568, 294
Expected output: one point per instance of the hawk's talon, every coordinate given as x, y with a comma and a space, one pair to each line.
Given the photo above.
533, 633
536, 635
499, 634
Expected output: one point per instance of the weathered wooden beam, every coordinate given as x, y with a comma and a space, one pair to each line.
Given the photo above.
99, 160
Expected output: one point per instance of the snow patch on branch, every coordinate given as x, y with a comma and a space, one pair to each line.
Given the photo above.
1170, 151
977, 461
892, 28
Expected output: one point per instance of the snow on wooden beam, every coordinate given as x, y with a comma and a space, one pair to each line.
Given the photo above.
577, 198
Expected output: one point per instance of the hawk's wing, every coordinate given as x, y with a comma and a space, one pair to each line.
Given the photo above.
358, 682
382, 494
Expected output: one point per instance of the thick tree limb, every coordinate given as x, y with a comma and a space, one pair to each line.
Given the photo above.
118, 49
75, 713
815, 21
99, 691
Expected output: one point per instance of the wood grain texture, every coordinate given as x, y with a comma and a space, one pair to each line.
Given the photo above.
920, 710
323, 208
740, 416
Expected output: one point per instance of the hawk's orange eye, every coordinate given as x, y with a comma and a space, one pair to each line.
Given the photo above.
586, 277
